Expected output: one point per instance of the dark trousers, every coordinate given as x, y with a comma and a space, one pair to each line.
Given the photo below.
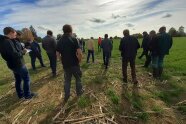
148, 60
106, 57
33, 60
83, 48
22, 74
68, 73
53, 60
125, 62
90, 52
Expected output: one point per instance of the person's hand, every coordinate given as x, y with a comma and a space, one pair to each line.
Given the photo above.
24, 50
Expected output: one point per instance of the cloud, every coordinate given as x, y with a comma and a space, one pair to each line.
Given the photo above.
115, 16
96, 20
129, 25
167, 15
42, 28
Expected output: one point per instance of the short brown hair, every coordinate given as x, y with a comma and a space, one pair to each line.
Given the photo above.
126, 32
49, 32
67, 29
8, 30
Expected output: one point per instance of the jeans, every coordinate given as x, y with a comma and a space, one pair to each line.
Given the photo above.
125, 62
157, 61
106, 57
53, 60
22, 74
76, 72
90, 52
33, 60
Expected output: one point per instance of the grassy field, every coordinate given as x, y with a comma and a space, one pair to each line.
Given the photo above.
153, 101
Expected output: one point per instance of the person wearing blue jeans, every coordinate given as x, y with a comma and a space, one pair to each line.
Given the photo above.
12, 52
90, 52
22, 74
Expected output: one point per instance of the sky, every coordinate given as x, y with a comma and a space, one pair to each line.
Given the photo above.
92, 18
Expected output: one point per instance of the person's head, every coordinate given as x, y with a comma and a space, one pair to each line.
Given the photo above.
152, 33
92, 38
19, 33
126, 32
162, 29
67, 29
145, 33
49, 32
106, 35
9, 32
111, 38
27, 35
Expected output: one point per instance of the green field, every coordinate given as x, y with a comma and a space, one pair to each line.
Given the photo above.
154, 101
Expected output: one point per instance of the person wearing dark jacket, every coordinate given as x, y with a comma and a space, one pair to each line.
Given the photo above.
49, 45
128, 47
71, 56
34, 53
12, 52
106, 45
154, 51
145, 44
164, 44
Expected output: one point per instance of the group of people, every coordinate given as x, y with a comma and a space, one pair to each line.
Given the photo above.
69, 50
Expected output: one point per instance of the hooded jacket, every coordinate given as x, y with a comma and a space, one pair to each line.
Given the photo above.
11, 52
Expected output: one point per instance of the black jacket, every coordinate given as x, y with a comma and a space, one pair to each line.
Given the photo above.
153, 46
145, 42
106, 45
49, 44
35, 48
129, 46
11, 52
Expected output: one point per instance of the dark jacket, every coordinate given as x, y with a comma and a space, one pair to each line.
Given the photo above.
165, 43
106, 45
145, 42
34, 47
11, 52
129, 46
153, 46
49, 44
67, 46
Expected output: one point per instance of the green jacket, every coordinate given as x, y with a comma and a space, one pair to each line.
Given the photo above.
165, 43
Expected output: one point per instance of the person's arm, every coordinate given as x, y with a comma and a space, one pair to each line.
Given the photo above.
171, 42
11, 51
79, 55
39, 48
43, 45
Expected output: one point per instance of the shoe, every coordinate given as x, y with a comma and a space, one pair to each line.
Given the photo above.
31, 96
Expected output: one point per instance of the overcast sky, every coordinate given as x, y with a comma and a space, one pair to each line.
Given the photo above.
92, 17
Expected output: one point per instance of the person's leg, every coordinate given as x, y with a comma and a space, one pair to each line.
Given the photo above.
148, 60
104, 55
124, 69
40, 60
142, 54
133, 70
33, 60
160, 64
67, 85
52, 58
78, 74
155, 66
93, 56
88, 57
18, 85
107, 59
26, 78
